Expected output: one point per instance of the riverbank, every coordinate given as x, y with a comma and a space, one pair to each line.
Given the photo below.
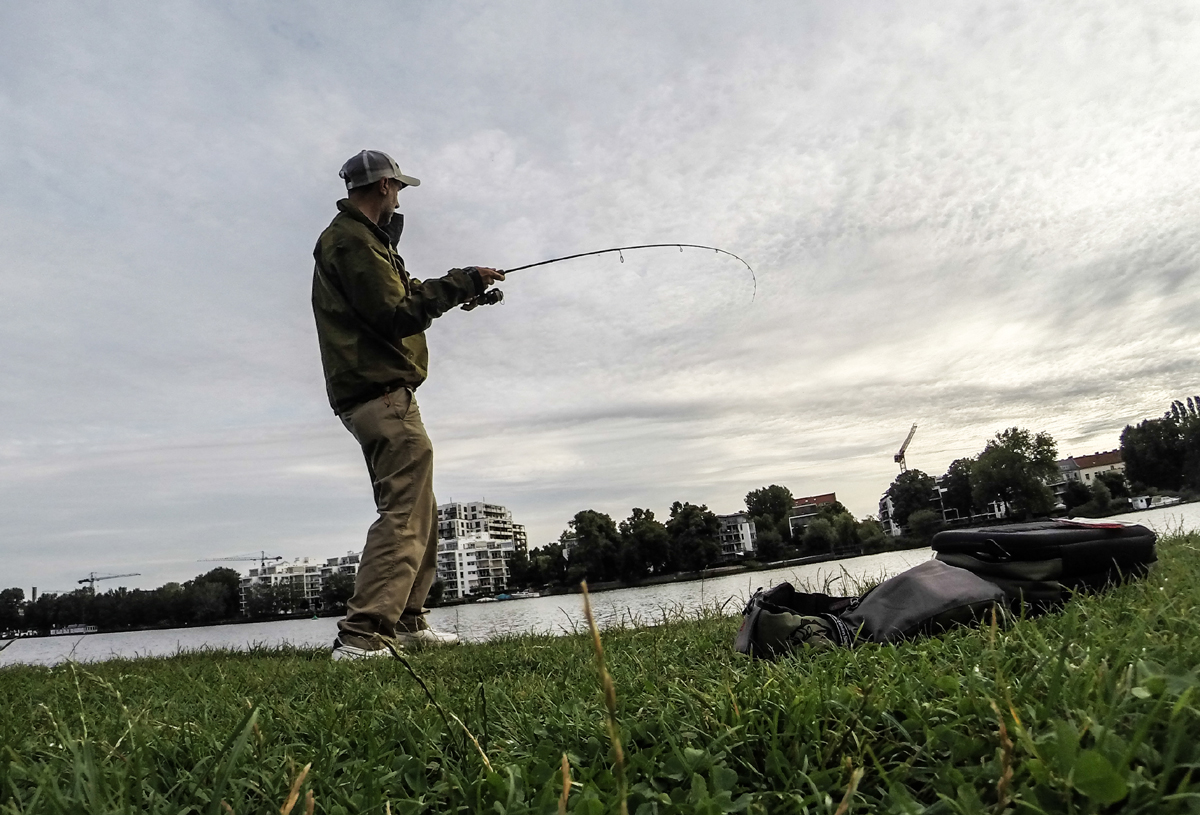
1076, 710
724, 571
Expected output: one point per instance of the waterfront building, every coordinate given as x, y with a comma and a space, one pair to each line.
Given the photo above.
476, 542
458, 520
738, 536
474, 564
996, 510
1086, 468
301, 578
805, 509
346, 564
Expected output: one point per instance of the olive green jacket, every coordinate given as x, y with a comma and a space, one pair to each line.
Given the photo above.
371, 316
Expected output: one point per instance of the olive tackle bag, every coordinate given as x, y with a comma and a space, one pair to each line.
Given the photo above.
1040, 564
781, 619
925, 599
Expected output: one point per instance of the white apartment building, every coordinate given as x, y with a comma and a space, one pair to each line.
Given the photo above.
738, 535
346, 564
458, 520
995, 511
476, 541
474, 564
302, 578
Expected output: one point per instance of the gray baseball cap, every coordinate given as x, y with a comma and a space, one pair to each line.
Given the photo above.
371, 165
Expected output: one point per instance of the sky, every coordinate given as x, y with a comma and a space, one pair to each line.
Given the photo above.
967, 216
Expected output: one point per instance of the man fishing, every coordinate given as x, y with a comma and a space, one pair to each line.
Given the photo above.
371, 321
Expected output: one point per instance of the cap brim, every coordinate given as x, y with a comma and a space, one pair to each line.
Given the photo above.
409, 180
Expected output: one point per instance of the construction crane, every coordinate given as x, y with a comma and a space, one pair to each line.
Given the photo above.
93, 577
262, 558
899, 457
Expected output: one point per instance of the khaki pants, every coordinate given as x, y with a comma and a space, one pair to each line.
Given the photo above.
399, 561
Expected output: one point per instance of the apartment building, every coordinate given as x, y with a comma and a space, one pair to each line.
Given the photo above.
474, 565
738, 536
806, 509
346, 564
1086, 468
458, 520
302, 579
476, 542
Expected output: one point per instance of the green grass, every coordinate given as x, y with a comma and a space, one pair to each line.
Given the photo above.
1094, 709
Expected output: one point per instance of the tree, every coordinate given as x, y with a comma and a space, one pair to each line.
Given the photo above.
520, 570
547, 565
337, 591
695, 534
596, 555
845, 531
1154, 454
11, 601
206, 602
213, 595
871, 535
1116, 483
957, 483
263, 600
910, 492
819, 535
1076, 495
645, 544
1165, 453
924, 524
768, 543
769, 509
1014, 468
831, 510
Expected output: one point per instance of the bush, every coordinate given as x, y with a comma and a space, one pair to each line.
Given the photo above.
924, 524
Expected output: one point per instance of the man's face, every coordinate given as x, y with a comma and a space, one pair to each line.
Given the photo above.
391, 199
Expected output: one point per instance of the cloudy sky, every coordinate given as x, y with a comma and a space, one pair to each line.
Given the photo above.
968, 216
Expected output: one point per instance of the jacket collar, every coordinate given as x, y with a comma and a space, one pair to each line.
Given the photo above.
389, 235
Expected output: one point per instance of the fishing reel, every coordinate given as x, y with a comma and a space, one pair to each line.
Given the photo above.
488, 298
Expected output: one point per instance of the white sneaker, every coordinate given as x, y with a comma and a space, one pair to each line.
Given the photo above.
343, 651
426, 636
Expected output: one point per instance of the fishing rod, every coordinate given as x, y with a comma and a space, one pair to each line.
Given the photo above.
497, 296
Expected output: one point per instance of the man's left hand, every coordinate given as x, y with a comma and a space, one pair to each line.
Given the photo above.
489, 275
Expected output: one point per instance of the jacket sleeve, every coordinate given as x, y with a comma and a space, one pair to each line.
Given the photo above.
380, 297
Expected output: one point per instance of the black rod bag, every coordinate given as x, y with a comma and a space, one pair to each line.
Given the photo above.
1041, 563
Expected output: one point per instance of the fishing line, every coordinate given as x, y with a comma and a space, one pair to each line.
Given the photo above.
620, 250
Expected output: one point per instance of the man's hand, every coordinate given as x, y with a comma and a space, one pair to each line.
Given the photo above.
489, 275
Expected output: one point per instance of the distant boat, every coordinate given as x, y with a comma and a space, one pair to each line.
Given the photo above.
486, 600
523, 595
77, 628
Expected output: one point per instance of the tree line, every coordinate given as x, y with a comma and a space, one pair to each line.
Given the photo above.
1017, 467
1164, 454
596, 548
207, 599
1014, 469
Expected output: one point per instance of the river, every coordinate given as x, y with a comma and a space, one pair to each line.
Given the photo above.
478, 622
